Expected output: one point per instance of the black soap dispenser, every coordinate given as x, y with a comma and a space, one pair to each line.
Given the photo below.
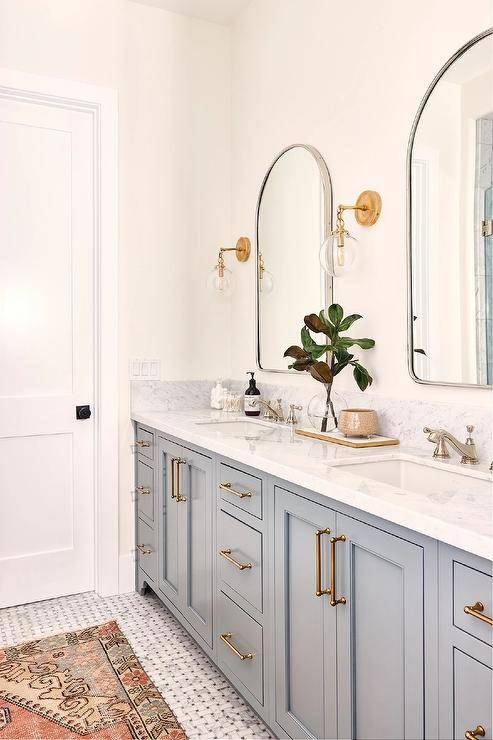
252, 394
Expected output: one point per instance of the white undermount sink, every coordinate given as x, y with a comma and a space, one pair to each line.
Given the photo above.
417, 476
245, 428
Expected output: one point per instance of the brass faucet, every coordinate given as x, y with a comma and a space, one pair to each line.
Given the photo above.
466, 450
270, 412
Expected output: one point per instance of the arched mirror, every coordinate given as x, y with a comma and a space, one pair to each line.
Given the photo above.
294, 216
450, 220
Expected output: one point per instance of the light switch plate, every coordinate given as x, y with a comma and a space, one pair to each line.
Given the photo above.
143, 369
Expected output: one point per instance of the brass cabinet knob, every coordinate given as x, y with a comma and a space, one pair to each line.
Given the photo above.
473, 734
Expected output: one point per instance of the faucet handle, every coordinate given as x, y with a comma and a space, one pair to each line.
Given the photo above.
292, 416
470, 428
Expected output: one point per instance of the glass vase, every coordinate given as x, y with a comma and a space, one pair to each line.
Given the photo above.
324, 408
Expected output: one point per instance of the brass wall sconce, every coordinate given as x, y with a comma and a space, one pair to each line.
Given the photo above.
338, 252
220, 279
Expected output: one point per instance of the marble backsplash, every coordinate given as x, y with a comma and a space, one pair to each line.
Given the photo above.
403, 419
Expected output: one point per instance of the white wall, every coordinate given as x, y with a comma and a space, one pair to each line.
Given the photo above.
348, 82
173, 77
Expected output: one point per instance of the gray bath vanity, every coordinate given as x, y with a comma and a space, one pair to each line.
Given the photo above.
330, 618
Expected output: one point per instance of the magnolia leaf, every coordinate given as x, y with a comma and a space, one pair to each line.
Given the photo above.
295, 352
321, 371
306, 340
361, 376
349, 321
335, 314
314, 323
363, 343
301, 365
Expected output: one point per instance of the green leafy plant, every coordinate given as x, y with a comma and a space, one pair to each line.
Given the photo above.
332, 324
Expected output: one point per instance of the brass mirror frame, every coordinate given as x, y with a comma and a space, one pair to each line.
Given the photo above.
410, 307
327, 213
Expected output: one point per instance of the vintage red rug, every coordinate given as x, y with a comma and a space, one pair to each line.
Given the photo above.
81, 684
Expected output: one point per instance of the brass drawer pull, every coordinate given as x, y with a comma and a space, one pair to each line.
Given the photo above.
144, 490
319, 591
144, 549
175, 478
475, 611
226, 554
142, 443
242, 656
473, 734
333, 600
241, 494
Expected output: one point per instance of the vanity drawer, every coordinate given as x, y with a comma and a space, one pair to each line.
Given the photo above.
241, 489
144, 443
471, 695
470, 587
242, 544
239, 647
145, 490
146, 549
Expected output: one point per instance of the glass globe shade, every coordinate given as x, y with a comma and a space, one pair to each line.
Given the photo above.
335, 260
266, 282
220, 285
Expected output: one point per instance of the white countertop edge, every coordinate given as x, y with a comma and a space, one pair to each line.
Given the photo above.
430, 526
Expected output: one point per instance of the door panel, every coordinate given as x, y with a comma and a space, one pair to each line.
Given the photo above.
380, 634
306, 623
472, 695
47, 366
169, 566
196, 525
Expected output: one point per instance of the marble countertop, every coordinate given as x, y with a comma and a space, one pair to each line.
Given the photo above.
461, 515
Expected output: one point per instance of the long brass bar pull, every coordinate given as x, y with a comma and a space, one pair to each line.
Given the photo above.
240, 494
475, 611
179, 497
173, 477
333, 589
319, 591
242, 656
473, 734
226, 554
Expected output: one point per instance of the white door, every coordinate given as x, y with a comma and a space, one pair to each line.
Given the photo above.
47, 236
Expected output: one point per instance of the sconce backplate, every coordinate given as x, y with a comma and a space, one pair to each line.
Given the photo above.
243, 249
371, 201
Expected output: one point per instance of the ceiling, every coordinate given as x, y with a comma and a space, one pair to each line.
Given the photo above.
218, 11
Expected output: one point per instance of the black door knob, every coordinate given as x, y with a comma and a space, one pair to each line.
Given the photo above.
82, 412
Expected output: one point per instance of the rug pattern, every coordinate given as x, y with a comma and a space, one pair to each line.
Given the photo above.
87, 683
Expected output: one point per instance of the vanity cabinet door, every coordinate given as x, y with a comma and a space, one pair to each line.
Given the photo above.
305, 623
380, 634
195, 531
170, 556
472, 688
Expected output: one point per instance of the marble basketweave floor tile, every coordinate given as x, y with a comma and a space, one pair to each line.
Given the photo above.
203, 701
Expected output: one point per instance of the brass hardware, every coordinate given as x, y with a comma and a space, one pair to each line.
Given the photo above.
226, 554
173, 476
466, 450
473, 734
475, 611
242, 251
144, 490
241, 494
319, 591
333, 600
179, 461
368, 208
487, 227
270, 413
144, 549
225, 637
142, 443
